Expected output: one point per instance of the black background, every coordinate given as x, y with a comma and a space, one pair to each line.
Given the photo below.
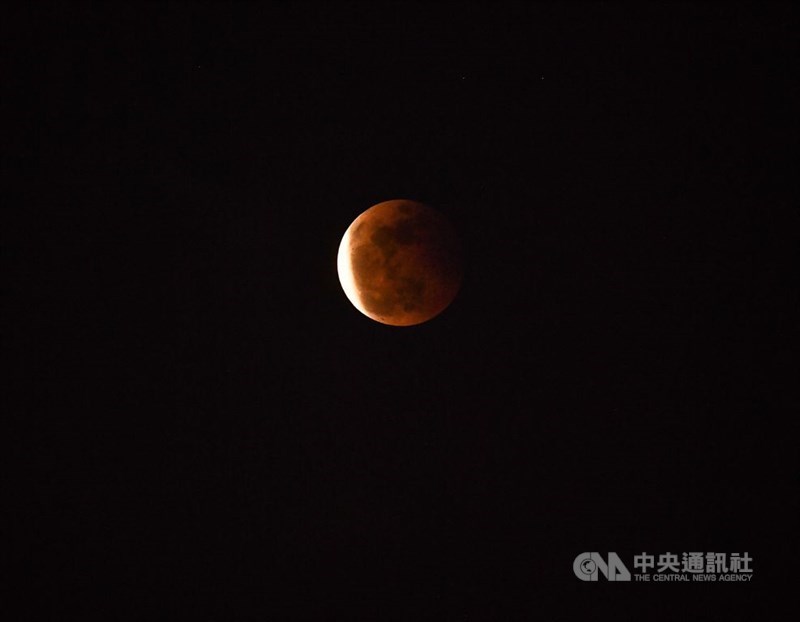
209, 430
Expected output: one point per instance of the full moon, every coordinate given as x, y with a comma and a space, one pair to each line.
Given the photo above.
399, 263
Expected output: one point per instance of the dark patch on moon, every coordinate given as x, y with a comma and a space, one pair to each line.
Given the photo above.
403, 233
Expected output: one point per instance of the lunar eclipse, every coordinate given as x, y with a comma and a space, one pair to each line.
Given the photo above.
399, 263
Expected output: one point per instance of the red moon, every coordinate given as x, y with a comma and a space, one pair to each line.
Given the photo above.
399, 263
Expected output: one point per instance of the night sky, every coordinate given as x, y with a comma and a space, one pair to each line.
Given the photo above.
208, 429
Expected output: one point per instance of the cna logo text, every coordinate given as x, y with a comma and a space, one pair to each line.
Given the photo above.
588, 566
694, 566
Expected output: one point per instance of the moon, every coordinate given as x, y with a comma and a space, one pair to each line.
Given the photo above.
399, 263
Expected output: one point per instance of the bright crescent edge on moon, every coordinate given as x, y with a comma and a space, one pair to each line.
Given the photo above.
344, 267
